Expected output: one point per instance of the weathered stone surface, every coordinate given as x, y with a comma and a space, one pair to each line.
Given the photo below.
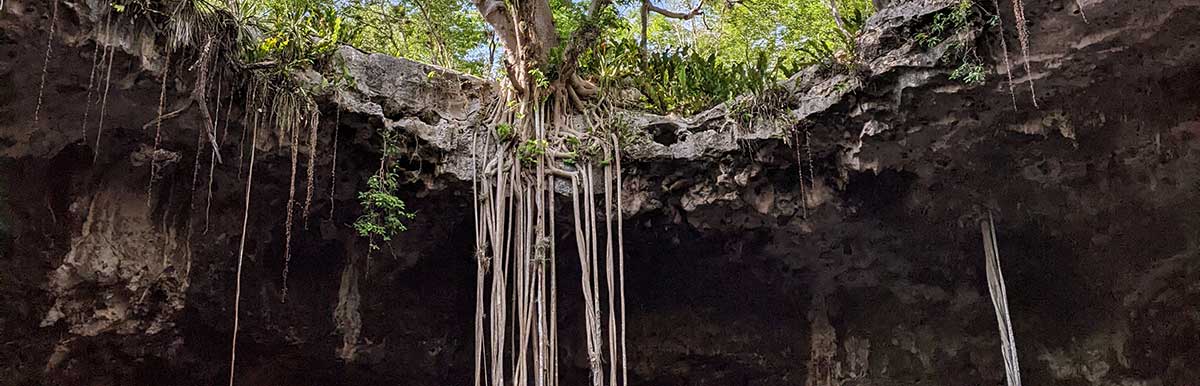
124, 273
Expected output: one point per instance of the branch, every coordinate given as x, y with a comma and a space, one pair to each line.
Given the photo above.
260, 65
648, 7
672, 14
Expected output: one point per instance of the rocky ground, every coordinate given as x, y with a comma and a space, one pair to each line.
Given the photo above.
108, 280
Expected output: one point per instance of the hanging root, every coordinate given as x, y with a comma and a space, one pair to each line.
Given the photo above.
45, 59
800, 169
803, 152
1023, 36
311, 170
237, 294
482, 262
999, 294
252, 104
337, 120
198, 97
87, 100
104, 104
228, 110
162, 97
212, 162
621, 258
291, 205
808, 160
535, 147
196, 170
1012, 91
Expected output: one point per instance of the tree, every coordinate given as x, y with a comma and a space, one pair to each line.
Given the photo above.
548, 128
533, 146
527, 30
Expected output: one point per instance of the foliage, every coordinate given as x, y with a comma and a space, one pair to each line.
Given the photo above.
383, 212
954, 26
569, 15
969, 72
946, 24
838, 50
680, 80
529, 152
797, 32
504, 132
539, 78
731, 49
294, 33
448, 33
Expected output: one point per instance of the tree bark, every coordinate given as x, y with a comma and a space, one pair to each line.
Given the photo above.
497, 14
528, 34
543, 22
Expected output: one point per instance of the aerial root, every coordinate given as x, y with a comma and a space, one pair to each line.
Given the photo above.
198, 97
311, 170
514, 208
1023, 37
337, 121
237, 294
291, 205
45, 59
999, 295
104, 104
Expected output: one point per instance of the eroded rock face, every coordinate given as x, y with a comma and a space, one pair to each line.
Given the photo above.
869, 273
124, 273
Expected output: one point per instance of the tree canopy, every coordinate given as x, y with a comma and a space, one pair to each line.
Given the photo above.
694, 53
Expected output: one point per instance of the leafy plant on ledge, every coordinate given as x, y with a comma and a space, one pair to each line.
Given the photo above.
383, 212
952, 26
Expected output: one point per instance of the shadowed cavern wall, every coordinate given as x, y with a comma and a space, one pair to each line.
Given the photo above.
107, 280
